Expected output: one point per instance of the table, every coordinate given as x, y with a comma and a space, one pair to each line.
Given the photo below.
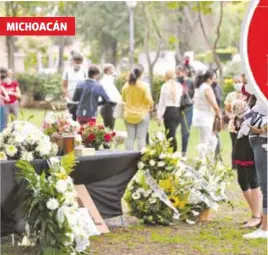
105, 176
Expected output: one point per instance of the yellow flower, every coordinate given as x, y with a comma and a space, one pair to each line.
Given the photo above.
166, 185
174, 200
61, 176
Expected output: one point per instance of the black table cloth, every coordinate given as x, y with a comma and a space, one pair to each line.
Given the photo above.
105, 176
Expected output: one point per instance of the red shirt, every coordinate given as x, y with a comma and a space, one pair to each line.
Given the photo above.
11, 87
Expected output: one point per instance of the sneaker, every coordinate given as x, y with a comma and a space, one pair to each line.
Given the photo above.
259, 233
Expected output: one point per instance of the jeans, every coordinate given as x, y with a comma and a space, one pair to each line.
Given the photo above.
2, 119
11, 109
137, 131
186, 122
260, 156
107, 112
72, 110
172, 118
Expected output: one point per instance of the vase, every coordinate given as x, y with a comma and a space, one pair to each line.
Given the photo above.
65, 143
204, 215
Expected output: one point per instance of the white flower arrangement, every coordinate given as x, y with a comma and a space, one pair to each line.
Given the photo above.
56, 211
23, 140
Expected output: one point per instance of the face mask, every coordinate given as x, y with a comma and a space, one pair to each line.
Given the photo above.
77, 67
238, 86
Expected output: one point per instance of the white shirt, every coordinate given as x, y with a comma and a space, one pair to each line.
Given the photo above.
203, 113
73, 78
167, 97
107, 82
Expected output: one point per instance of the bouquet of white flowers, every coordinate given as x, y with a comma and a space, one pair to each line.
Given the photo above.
23, 140
54, 221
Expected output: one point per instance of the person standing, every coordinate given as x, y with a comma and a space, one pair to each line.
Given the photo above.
87, 95
258, 141
230, 98
187, 109
138, 102
14, 94
108, 84
169, 106
205, 106
70, 79
218, 94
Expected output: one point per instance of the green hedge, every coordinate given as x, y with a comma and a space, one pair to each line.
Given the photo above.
156, 86
40, 85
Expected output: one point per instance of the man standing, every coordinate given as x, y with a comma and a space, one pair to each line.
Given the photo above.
186, 110
70, 79
87, 95
108, 84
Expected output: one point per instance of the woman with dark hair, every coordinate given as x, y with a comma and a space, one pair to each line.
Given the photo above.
205, 106
138, 102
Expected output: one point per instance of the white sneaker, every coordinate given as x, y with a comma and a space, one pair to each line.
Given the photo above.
259, 233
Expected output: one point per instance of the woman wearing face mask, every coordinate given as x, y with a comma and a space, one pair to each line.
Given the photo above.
13, 91
231, 97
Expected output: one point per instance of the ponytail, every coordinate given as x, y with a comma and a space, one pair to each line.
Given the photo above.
135, 74
201, 78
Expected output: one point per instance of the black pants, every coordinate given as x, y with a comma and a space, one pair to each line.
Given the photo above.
233, 139
172, 119
247, 177
72, 109
107, 112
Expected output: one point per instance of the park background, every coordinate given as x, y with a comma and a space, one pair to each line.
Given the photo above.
162, 34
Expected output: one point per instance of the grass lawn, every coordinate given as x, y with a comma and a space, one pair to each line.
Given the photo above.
222, 235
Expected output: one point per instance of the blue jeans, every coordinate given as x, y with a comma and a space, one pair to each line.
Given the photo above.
260, 157
2, 118
186, 122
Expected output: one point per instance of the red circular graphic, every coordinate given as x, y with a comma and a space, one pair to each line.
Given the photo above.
258, 46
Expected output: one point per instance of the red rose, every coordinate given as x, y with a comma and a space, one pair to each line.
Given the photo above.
107, 138
91, 137
81, 130
113, 134
91, 123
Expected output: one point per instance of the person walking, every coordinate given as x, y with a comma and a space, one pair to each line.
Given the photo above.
14, 94
186, 107
138, 102
258, 141
3, 96
169, 106
205, 106
70, 79
230, 98
108, 84
87, 94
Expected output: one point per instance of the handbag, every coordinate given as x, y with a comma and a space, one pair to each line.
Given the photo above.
119, 110
217, 125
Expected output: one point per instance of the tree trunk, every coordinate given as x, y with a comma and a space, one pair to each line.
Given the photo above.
109, 48
61, 54
214, 47
10, 39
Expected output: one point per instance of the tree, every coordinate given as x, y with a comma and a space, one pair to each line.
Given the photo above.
151, 32
205, 8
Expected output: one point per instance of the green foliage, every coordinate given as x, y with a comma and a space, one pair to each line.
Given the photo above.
43, 84
68, 162
228, 86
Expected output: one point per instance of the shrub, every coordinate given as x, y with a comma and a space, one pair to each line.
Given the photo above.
40, 85
227, 86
